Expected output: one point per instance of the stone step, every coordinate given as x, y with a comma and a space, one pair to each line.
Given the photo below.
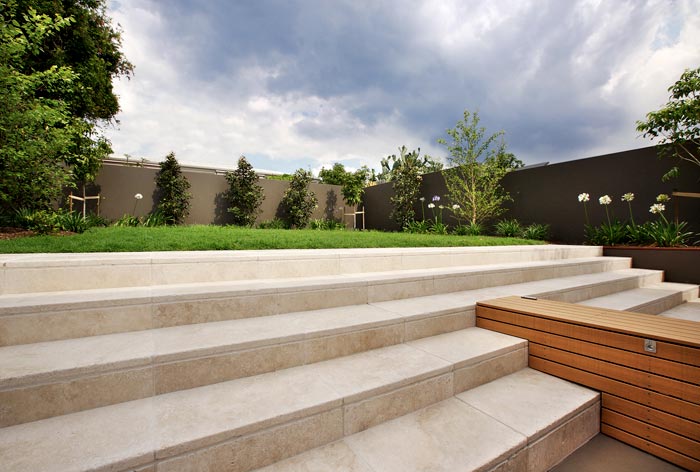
251, 422
689, 310
31, 318
53, 378
29, 273
526, 421
652, 299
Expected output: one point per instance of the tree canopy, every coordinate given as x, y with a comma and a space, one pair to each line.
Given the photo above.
677, 124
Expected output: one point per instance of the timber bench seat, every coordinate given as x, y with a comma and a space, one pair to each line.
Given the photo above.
646, 367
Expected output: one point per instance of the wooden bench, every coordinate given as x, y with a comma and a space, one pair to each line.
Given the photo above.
646, 367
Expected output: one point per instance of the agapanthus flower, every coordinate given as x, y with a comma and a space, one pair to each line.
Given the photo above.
455, 207
422, 199
628, 197
605, 200
583, 197
436, 198
431, 205
662, 197
138, 196
657, 208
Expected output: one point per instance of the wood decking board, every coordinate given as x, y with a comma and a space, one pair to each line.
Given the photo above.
649, 400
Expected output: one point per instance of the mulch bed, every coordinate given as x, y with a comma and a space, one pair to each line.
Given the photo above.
7, 232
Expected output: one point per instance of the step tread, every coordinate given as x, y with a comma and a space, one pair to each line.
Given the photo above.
689, 310
639, 297
501, 417
11, 304
50, 361
177, 422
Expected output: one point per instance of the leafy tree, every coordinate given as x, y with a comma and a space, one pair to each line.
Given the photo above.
391, 165
336, 175
406, 178
353, 183
244, 194
479, 164
172, 191
298, 201
35, 131
677, 124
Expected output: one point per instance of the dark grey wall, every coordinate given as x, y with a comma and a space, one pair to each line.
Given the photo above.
118, 184
548, 194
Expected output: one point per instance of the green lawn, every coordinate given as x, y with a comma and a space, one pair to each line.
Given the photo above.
202, 238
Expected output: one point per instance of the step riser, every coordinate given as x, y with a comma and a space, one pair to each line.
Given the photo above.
42, 323
22, 274
579, 294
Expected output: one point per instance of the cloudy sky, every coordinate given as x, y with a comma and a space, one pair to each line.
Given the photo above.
308, 83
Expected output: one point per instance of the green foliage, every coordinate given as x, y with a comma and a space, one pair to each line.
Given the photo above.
275, 223
406, 176
536, 231
244, 195
283, 177
471, 229
438, 227
418, 227
509, 228
663, 233
41, 221
127, 221
479, 164
607, 234
677, 124
172, 191
336, 175
325, 224
73, 221
392, 166
353, 183
298, 201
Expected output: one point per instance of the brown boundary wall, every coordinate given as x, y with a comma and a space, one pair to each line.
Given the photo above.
118, 183
548, 194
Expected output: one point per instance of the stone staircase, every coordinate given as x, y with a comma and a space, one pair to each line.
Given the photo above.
365, 359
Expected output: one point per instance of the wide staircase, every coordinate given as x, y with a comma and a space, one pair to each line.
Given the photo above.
328, 360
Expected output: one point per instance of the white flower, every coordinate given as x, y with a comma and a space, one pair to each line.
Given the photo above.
431, 205
605, 200
583, 197
138, 196
628, 197
455, 207
657, 208
422, 199
442, 206
662, 197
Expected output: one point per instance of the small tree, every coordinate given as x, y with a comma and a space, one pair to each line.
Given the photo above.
407, 178
244, 194
298, 201
474, 181
353, 183
677, 124
172, 192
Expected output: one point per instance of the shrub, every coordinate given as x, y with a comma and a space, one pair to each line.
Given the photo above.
406, 186
72, 221
41, 221
418, 227
326, 224
273, 224
298, 201
127, 220
172, 191
244, 195
509, 228
538, 232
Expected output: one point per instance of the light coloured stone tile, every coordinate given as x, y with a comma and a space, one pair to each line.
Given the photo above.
560, 443
264, 448
438, 325
400, 289
444, 437
469, 346
367, 413
293, 301
371, 373
419, 307
530, 402
51, 326
488, 370
52, 279
515, 463
336, 457
192, 419
213, 309
180, 375
82, 441
330, 347
44, 401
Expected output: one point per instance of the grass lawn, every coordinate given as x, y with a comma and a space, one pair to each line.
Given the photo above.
202, 238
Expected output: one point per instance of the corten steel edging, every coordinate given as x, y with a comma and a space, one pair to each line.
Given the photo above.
650, 400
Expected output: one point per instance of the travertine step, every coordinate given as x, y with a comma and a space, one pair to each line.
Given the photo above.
29, 318
689, 310
52, 378
27, 273
651, 299
526, 421
251, 422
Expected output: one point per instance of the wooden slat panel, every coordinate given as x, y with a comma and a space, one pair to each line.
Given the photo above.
672, 423
651, 433
646, 380
655, 400
673, 457
643, 362
647, 326
665, 350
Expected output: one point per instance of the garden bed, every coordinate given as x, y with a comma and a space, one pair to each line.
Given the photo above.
680, 264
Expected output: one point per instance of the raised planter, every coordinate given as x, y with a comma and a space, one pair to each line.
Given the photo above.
680, 264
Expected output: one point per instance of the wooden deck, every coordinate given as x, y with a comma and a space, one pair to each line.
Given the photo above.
650, 400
